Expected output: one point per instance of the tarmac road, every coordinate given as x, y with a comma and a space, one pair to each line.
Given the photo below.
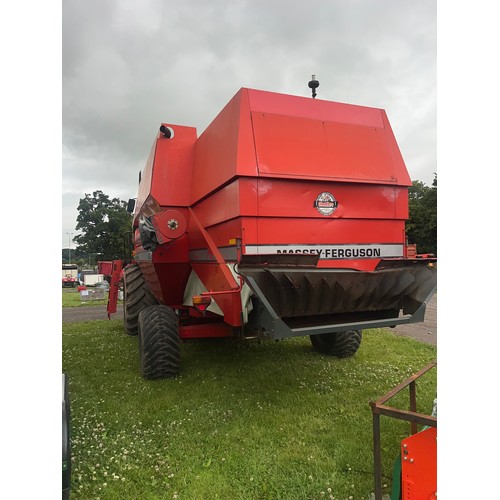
89, 313
424, 332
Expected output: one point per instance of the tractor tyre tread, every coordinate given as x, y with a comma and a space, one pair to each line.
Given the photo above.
159, 346
339, 344
137, 296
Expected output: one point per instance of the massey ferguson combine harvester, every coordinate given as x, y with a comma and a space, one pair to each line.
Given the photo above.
286, 217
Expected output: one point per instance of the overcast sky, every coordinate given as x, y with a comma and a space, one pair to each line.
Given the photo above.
129, 65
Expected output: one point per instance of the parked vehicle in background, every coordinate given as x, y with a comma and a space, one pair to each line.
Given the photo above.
92, 279
69, 275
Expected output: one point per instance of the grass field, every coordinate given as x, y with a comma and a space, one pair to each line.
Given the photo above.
244, 420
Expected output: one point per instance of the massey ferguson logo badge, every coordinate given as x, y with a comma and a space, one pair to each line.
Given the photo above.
326, 203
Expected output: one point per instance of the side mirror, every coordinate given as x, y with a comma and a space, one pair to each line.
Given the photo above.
131, 205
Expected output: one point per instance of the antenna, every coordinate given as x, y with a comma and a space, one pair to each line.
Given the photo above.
313, 85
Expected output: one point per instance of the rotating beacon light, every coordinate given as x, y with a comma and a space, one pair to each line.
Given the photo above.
313, 85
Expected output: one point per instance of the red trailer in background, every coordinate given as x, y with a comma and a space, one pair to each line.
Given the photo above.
105, 267
285, 217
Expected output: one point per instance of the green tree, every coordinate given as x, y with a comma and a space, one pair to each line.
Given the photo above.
103, 222
421, 227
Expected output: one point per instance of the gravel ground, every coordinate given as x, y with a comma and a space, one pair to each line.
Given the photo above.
424, 332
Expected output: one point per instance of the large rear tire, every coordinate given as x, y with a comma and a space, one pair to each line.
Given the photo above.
136, 297
339, 344
159, 348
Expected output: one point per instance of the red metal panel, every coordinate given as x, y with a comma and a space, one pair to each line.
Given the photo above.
292, 198
166, 179
225, 149
249, 230
221, 234
168, 271
172, 252
316, 109
172, 279
173, 167
233, 200
105, 267
314, 138
302, 147
286, 198
208, 330
292, 230
419, 466
397, 158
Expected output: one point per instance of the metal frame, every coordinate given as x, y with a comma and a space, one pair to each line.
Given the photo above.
276, 328
380, 408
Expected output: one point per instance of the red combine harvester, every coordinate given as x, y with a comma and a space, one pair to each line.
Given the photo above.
285, 217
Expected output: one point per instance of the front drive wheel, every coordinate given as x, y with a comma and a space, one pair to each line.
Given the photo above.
339, 344
136, 297
159, 348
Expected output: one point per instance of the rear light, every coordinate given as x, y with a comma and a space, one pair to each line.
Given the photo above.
201, 302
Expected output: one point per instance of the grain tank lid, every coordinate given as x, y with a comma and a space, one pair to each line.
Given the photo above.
317, 109
304, 138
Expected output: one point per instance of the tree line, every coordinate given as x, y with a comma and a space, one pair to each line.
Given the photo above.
421, 227
105, 225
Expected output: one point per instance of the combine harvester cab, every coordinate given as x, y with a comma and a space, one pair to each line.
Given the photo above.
286, 217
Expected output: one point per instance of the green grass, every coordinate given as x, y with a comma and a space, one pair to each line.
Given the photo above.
243, 420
